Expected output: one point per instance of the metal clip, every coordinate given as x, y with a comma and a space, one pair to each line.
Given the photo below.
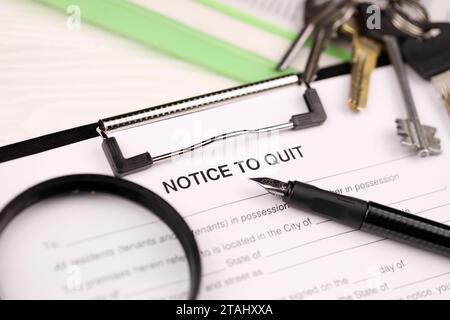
122, 166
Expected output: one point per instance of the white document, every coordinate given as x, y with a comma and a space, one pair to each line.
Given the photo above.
253, 245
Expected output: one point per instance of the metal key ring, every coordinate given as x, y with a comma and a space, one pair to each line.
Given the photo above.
403, 20
91, 184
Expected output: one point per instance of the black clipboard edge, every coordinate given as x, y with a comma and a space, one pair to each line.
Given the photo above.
47, 142
62, 138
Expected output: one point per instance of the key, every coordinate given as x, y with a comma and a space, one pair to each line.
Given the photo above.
315, 13
365, 53
322, 32
419, 137
430, 58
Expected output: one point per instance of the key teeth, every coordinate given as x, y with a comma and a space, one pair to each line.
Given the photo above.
402, 132
407, 142
402, 127
407, 134
429, 131
434, 143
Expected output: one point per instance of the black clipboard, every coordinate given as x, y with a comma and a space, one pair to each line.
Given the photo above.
73, 135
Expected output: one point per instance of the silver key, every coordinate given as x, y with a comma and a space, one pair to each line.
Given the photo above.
419, 137
415, 135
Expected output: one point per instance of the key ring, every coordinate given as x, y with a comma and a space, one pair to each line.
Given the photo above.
401, 14
92, 184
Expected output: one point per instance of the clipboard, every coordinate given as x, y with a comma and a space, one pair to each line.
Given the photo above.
73, 135
206, 202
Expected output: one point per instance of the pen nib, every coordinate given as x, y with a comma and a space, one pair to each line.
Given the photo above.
276, 187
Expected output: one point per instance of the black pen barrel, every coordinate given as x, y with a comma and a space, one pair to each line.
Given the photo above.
407, 228
343, 209
371, 217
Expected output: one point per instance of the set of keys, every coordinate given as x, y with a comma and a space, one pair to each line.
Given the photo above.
403, 29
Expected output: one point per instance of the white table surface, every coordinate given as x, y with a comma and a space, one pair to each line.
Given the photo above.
53, 78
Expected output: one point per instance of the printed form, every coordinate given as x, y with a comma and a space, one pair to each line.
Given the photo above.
253, 246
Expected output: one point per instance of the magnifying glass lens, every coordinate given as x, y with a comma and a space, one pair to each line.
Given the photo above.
91, 246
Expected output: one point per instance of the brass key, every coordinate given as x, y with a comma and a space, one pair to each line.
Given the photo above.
365, 53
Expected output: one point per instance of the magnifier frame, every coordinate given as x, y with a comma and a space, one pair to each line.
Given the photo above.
118, 187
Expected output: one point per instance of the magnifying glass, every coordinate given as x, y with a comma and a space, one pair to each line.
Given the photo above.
95, 237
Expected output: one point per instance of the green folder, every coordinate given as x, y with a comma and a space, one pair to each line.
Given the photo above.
140, 24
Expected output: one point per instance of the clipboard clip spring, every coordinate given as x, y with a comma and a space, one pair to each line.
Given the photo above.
122, 166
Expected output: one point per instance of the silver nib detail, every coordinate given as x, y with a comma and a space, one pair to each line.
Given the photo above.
276, 187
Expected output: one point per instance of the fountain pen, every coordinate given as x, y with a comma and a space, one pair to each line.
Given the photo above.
363, 215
